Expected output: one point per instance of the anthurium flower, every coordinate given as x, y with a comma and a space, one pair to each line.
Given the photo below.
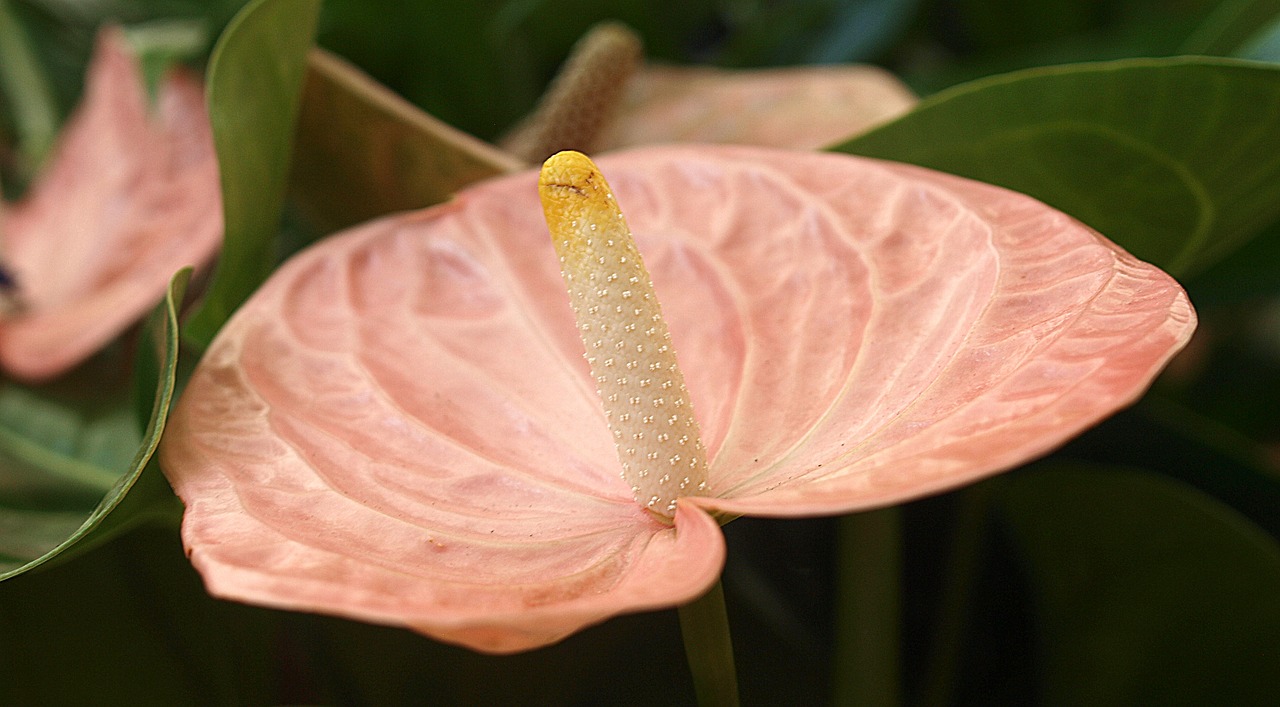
803, 107
606, 97
401, 426
130, 196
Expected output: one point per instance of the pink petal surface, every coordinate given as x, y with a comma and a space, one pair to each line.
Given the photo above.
399, 426
130, 196
797, 107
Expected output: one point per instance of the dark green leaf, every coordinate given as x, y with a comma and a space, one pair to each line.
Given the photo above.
131, 624
73, 479
254, 87
363, 151
825, 31
1230, 26
1264, 45
1178, 160
1251, 272
989, 24
1149, 591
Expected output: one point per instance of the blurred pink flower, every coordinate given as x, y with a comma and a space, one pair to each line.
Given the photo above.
399, 427
801, 107
130, 196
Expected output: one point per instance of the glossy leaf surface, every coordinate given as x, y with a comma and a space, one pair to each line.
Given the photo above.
255, 84
400, 427
1200, 177
129, 197
363, 151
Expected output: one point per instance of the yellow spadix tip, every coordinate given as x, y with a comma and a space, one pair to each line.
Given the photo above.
574, 191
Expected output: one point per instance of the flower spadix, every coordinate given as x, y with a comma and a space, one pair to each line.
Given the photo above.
627, 342
400, 426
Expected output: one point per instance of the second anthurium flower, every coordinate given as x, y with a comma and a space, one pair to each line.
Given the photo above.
129, 197
401, 425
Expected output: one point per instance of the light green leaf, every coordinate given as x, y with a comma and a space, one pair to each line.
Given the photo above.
26, 90
74, 478
363, 151
254, 87
162, 43
1178, 160
1148, 591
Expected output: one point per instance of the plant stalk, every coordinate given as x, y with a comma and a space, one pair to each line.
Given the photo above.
869, 610
704, 623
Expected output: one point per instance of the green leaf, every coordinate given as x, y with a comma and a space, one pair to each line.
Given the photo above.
1230, 25
1250, 273
162, 43
1264, 45
363, 151
1178, 160
1148, 591
992, 24
27, 90
254, 87
73, 479
131, 624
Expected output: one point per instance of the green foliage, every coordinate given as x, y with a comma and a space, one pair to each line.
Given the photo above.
363, 151
1122, 146
76, 472
1264, 45
1230, 26
130, 624
254, 88
1148, 591
35, 115
1155, 582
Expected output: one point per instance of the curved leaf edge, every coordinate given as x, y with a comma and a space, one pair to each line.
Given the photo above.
140, 495
1091, 67
1195, 256
247, 257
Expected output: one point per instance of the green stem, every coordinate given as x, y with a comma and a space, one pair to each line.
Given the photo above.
868, 615
34, 111
957, 595
709, 649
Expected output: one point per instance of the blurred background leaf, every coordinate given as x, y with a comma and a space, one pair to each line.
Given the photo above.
1230, 25
75, 468
362, 151
130, 624
1148, 591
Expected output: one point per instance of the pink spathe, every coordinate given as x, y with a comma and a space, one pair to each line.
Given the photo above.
129, 197
400, 427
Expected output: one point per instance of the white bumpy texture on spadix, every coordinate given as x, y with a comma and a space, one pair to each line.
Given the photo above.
627, 343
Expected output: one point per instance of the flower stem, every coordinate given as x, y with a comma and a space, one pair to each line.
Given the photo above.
867, 670
709, 649
961, 576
